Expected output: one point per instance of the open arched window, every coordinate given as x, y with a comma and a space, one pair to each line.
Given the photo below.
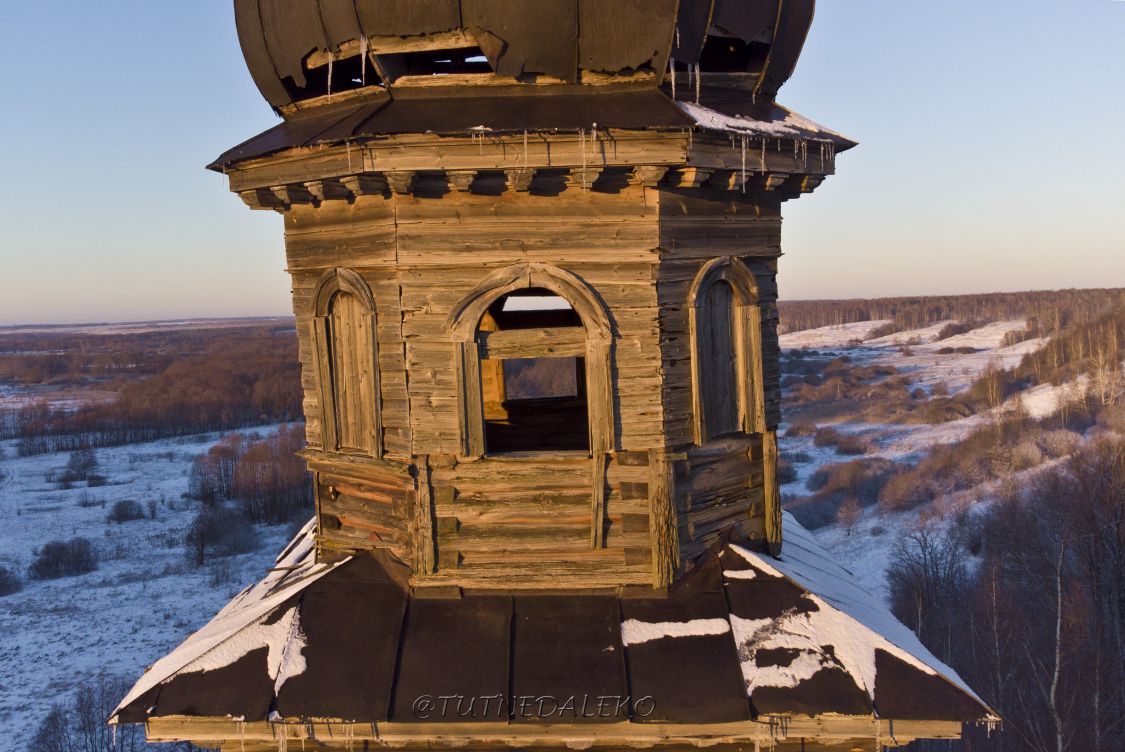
533, 374
726, 351
346, 354
533, 349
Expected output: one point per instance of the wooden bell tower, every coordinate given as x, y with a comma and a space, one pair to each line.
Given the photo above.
535, 281
533, 248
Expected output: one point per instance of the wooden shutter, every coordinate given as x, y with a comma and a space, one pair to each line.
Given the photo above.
718, 362
352, 355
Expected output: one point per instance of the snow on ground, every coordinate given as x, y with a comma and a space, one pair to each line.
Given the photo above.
143, 599
909, 336
916, 355
840, 335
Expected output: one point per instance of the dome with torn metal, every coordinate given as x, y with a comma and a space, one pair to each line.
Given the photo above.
302, 53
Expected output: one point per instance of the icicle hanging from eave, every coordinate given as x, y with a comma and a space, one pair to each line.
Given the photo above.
363, 61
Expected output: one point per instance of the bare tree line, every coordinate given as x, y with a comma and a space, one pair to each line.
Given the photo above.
1037, 622
1045, 311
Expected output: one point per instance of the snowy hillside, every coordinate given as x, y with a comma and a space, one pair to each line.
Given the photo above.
954, 363
143, 598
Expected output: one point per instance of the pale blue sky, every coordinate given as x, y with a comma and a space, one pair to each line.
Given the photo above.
991, 156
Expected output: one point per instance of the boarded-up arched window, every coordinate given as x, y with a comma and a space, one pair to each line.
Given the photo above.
718, 361
726, 351
347, 356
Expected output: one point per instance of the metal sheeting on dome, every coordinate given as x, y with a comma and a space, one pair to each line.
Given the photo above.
301, 50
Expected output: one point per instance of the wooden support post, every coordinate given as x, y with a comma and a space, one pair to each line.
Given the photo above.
294, 194
461, 180
424, 545
598, 523
520, 179
771, 491
691, 177
583, 177
365, 185
328, 190
775, 180
649, 177
401, 182
261, 198
663, 530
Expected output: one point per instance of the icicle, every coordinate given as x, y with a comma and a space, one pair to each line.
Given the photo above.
331, 57
677, 35
348, 144
582, 147
242, 736
698, 78
763, 155
114, 734
744, 163
363, 61
672, 75
525, 149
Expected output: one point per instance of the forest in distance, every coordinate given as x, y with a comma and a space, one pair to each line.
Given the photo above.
963, 455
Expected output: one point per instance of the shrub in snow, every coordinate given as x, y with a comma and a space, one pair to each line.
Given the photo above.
81, 463
125, 510
903, 491
1026, 454
849, 513
94, 480
10, 581
826, 437
1112, 417
63, 559
219, 531
852, 445
800, 429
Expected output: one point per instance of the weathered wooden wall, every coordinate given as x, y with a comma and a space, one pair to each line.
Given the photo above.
476, 522
697, 225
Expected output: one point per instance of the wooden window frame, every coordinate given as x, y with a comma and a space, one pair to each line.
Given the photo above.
332, 282
469, 349
747, 332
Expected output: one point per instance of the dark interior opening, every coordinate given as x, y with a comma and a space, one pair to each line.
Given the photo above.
537, 402
443, 62
732, 55
347, 74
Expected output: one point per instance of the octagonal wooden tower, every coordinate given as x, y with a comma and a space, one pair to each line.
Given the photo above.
534, 250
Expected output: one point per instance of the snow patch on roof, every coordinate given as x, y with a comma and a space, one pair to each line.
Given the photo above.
283, 638
222, 640
851, 620
792, 125
634, 632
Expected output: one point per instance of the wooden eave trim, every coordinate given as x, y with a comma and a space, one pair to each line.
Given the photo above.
824, 728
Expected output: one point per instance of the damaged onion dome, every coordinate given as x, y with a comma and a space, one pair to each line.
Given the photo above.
300, 53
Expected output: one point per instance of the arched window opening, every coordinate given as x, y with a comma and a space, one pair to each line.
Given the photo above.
351, 367
726, 351
718, 360
344, 329
533, 374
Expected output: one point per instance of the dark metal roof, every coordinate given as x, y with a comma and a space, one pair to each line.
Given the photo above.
557, 38
508, 111
742, 635
490, 112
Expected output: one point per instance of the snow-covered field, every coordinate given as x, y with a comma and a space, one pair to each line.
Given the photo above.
142, 600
